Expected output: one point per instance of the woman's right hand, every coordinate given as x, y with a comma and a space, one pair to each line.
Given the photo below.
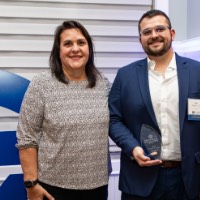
37, 192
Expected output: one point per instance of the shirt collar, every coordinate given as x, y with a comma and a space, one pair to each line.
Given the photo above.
171, 66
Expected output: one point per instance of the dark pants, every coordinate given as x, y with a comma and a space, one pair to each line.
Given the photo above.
100, 193
169, 186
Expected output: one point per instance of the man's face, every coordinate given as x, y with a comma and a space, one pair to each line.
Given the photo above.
155, 35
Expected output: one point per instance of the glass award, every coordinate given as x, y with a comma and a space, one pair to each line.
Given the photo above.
150, 142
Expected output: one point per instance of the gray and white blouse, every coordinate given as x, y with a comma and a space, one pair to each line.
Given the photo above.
68, 123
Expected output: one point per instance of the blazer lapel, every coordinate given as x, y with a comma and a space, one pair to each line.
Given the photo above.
142, 71
183, 82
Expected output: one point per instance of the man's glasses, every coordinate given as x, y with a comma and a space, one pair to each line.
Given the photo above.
158, 29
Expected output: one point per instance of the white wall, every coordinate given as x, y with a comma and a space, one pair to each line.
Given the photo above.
185, 16
179, 18
193, 26
27, 29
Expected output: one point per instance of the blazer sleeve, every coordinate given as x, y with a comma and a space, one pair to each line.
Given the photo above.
118, 131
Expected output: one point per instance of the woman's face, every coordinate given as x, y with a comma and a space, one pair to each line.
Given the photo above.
74, 50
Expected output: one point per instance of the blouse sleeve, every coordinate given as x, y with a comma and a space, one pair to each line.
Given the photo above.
31, 116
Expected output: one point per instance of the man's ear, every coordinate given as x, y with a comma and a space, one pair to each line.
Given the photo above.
173, 33
140, 39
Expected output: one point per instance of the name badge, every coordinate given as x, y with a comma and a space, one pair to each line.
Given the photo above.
194, 109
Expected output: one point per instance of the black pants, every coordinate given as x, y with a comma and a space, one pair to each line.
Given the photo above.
169, 186
100, 193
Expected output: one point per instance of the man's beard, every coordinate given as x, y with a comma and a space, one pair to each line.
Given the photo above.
159, 52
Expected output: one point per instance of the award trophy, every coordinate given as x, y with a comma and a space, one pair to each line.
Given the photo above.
150, 142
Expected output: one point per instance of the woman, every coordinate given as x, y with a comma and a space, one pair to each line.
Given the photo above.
63, 124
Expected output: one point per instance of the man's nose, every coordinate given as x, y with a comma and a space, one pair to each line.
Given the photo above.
154, 33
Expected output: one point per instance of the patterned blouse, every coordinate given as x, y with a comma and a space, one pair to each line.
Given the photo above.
68, 123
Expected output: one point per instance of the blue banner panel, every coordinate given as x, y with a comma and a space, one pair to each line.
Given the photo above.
9, 154
12, 89
13, 188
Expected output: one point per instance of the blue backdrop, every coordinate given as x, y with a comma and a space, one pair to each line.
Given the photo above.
12, 90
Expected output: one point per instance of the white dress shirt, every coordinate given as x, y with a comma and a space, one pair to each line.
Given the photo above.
165, 100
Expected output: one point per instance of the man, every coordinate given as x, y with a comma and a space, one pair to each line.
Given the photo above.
156, 92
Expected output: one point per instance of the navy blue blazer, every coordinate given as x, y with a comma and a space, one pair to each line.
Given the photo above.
130, 106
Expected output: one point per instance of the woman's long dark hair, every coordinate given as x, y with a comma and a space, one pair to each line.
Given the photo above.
54, 59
